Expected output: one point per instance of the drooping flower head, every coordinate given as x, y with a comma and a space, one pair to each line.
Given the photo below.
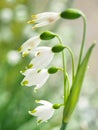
35, 73
35, 77
43, 56
29, 45
43, 19
43, 112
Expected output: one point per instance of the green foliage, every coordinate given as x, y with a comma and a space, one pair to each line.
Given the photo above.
76, 86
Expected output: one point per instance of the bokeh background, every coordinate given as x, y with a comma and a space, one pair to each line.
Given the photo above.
15, 100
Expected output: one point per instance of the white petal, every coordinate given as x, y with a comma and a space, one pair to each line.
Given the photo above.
43, 57
41, 24
25, 72
45, 15
45, 103
30, 45
42, 80
44, 113
35, 77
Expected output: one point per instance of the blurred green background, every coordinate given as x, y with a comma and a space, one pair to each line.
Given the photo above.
15, 100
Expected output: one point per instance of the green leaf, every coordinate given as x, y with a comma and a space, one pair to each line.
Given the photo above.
71, 14
76, 86
47, 35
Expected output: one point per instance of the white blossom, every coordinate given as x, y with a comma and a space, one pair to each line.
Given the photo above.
29, 45
43, 112
43, 19
35, 77
43, 56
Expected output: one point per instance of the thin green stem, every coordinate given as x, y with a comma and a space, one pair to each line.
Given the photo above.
64, 68
72, 60
65, 87
66, 78
83, 41
68, 88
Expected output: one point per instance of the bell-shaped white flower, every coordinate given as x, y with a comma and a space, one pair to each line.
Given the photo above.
43, 112
43, 56
35, 77
29, 45
43, 19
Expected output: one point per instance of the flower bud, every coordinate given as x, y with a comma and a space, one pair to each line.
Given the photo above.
58, 48
47, 35
52, 70
71, 14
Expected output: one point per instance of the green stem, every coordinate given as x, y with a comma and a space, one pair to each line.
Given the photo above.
72, 60
64, 126
68, 88
83, 41
65, 88
64, 68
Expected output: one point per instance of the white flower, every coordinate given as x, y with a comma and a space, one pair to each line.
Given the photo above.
35, 74
29, 45
43, 56
43, 19
43, 112
35, 77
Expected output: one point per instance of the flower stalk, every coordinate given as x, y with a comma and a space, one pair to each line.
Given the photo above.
64, 72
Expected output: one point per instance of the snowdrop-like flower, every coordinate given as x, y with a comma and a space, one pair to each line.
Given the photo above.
35, 77
43, 19
43, 56
29, 45
43, 112
35, 74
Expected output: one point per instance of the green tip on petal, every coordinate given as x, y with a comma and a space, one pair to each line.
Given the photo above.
22, 71
58, 48
29, 66
24, 54
20, 49
71, 14
47, 35
37, 101
35, 90
33, 111
39, 121
24, 83
38, 71
52, 70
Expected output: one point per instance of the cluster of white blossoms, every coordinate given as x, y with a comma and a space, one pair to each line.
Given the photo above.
36, 74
